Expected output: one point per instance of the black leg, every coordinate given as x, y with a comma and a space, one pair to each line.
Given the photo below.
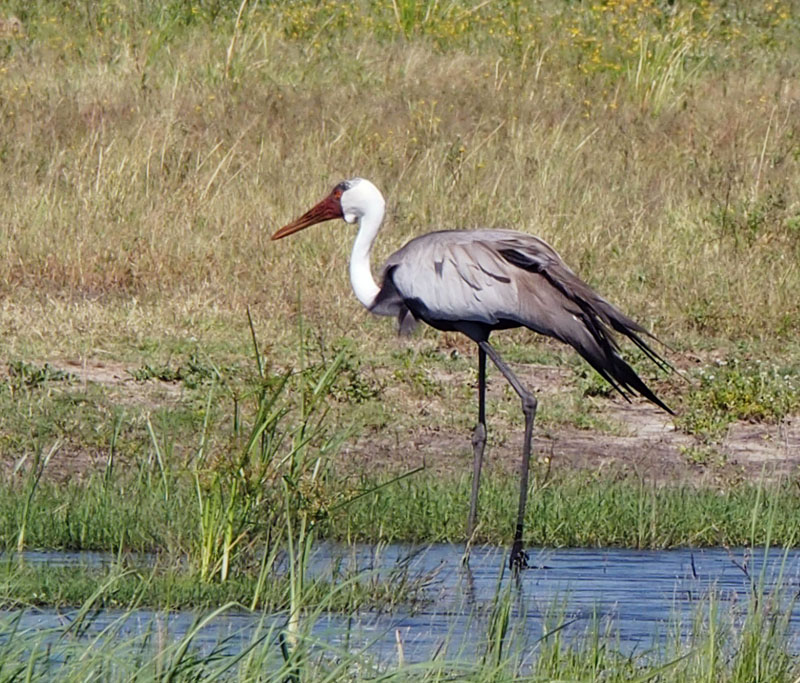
478, 444
519, 558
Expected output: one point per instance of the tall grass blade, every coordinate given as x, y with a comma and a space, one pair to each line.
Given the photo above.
32, 482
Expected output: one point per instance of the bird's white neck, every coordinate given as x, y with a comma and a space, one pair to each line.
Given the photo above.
364, 286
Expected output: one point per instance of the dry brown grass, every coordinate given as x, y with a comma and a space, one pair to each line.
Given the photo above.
139, 185
11, 27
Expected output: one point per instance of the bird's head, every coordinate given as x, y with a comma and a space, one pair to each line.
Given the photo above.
350, 200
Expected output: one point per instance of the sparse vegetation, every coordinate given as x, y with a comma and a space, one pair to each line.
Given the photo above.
738, 390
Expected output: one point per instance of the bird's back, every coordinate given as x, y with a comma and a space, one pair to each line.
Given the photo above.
475, 281
460, 275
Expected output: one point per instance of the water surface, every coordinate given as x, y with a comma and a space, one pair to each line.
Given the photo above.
642, 598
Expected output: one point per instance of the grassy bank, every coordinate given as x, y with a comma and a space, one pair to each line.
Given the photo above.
128, 583
148, 151
220, 494
576, 510
213, 464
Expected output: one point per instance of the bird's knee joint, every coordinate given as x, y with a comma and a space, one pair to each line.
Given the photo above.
479, 435
529, 403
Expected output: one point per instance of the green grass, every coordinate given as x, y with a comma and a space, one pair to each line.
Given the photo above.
578, 510
146, 514
34, 584
731, 390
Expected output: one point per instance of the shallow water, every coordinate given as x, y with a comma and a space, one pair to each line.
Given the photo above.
641, 597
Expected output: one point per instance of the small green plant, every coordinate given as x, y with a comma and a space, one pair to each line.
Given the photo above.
767, 217
273, 482
34, 475
702, 455
738, 390
590, 383
353, 386
413, 16
23, 375
193, 373
415, 371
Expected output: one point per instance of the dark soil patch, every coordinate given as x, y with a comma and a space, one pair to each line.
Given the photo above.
650, 447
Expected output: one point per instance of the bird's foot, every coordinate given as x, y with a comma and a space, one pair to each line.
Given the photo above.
519, 558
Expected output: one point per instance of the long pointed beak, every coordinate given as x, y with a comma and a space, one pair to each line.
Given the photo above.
328, 209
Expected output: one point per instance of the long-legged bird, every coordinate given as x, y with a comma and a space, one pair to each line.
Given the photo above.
477, 281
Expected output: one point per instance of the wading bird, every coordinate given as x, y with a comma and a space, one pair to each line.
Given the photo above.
475, 282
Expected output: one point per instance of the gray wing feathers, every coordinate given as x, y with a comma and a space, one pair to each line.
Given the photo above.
580, 317
500, 276
457, 278
561, 278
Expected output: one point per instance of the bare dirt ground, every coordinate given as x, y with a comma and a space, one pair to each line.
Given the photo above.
651, 447
646, 443
120, 379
